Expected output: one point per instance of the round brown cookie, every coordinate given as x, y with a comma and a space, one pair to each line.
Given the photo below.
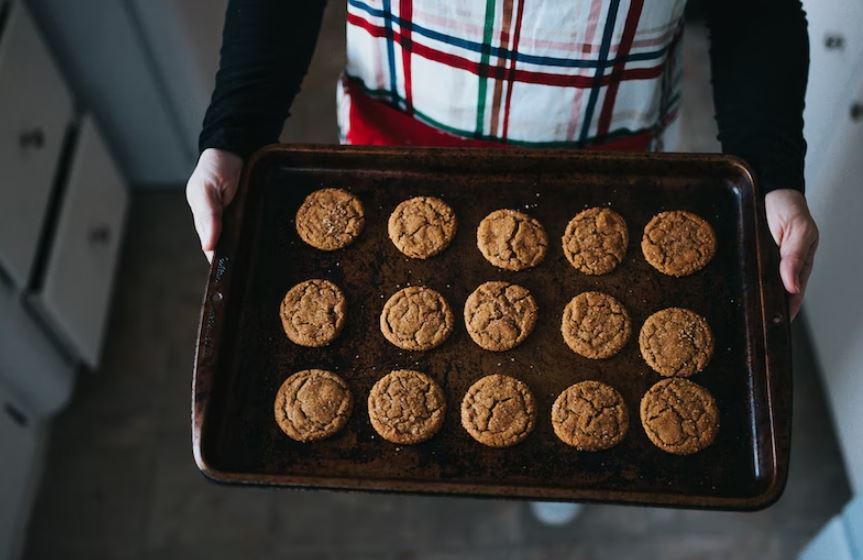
416, 318
678, 243
595, 240
313, 313
422, 227
679, 416
313, 404
590, 416
511, 240
498, 411
330, 219
500, 315
595, 325
676, 342
406, 407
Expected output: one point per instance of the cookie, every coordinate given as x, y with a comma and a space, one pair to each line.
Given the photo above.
313, 404
330, 219
590, 416
595, 325
313, 313
500, 315
678, 243
595, 241
498, 411
406, 407
511, 240
416, 318
679, 416
422, 227
676, 342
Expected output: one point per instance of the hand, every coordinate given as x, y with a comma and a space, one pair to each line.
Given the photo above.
210, 189
796, 234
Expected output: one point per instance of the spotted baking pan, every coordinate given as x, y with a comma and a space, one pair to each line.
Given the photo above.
243, 354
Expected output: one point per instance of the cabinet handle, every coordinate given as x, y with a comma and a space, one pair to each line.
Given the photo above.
857, 112
33, 138
99, 235
834, 41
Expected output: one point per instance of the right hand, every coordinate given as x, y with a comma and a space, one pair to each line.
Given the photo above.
210, 189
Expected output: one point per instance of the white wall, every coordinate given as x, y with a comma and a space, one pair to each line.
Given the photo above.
144, 68
184, 37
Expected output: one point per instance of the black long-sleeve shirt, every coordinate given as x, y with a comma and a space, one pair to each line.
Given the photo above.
759, 57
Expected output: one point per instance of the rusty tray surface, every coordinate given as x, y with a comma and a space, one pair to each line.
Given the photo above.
243, 355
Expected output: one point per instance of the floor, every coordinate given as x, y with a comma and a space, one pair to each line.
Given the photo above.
120, 481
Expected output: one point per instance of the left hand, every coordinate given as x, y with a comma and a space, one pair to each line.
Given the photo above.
796, 234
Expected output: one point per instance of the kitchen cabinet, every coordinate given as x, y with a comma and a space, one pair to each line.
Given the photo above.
63, 207
834, 130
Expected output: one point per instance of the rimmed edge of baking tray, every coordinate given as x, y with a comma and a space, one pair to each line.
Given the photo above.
776, 333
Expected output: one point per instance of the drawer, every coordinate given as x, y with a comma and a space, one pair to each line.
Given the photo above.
35, 112
21, 447
76, 288
32, 366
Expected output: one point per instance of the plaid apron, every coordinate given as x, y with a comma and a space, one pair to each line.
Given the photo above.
555, 73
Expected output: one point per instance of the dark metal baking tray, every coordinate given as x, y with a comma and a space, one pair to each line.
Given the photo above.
243, 354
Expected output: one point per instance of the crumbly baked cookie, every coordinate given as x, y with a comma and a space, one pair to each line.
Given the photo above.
500, 315
422, 227
676, 342
313, 404
406, 407
498, 411
313, 313
679, 416
595, 240
595, 325
678, 243
330, 219
416, 318
511, 240
590, 416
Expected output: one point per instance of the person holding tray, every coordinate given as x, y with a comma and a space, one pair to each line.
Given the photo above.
584, 74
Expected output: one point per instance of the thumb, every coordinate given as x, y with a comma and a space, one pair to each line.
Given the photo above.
796, 251
206, 205
789, 270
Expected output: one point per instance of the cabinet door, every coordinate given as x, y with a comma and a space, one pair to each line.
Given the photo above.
79, 274
836, 47
35, 111
832, 308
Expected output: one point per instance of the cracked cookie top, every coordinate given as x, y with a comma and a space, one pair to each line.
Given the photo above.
406, 407
313, 313
511, 240
676, 342
498, 411
312, 404
500, 315
416, 318
595, 241
422, 227
678, 243
590, 416
330, 219
595, 325
679, 416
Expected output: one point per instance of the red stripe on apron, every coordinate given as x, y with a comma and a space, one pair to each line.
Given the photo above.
375, 123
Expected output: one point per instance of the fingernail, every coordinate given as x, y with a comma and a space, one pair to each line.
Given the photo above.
205, 233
